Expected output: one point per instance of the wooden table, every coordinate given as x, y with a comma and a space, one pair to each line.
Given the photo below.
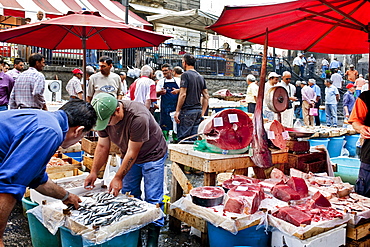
210, 164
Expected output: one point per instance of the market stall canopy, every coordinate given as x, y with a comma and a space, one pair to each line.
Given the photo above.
195, 19
82, 30
324, 26
111, 10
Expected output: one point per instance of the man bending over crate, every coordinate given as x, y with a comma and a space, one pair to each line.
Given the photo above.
28, 139
131, 126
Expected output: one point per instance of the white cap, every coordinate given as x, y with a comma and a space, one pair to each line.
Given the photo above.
273, 74
312, 81
251, 78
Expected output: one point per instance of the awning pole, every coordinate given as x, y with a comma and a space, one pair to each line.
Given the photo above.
84, 60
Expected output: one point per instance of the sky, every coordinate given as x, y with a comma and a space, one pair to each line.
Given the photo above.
216, 6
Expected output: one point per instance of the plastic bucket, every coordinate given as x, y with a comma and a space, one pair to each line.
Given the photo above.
335, 146
126, 240
40, 236
347, 168
219, 237
319, 141
350, 145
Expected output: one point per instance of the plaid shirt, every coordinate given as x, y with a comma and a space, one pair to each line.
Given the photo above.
28, 90
74, 86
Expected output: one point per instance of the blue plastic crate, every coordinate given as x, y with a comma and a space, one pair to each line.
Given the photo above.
130, 239
75, 155
347, 168
219, 237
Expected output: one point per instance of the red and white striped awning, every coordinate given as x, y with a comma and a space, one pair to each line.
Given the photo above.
112, 10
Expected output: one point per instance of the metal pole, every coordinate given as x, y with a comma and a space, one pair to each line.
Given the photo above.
84, 60
127, 5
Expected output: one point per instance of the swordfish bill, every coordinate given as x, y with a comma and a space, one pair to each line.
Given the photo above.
261, 153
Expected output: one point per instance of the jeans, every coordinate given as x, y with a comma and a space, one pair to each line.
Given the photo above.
3, 107
153, 174
298, 111
331, 115
237, 67
362, 186
189, 123
91, 57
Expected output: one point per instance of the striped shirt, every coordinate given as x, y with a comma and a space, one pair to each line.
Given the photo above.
28, 91
74, 86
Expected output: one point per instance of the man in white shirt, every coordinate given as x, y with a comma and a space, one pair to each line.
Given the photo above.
273, 79
337, 79
252, 92
73, 86
288, 114
311, 61
297, 64
145, 91
104, 81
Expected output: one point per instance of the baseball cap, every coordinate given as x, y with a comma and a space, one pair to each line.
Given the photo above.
312, 81
77, 71
350, 85
351, 66
104, 104
251, 77
304, 82
273, 74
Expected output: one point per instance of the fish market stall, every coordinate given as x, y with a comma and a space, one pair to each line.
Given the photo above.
210, 164
100, 218
301, 208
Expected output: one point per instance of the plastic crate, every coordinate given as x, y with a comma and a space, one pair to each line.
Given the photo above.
347, 168
219, 237
130, 239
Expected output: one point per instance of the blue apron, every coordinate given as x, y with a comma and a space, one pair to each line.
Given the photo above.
168, 104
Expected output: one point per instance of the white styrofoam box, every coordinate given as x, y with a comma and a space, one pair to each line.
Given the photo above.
333, 237
37, 197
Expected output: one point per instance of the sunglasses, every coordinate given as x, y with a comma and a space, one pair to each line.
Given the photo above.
288, 78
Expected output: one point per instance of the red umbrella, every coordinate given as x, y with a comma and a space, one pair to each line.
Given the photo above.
83, 30
324, 26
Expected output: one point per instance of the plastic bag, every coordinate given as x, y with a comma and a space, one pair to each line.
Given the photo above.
314, 112
204, 146
111, 168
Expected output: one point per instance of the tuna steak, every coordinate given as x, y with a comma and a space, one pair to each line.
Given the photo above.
285, 193
261, 153
244, 199
293, 216
299, 185
229, 129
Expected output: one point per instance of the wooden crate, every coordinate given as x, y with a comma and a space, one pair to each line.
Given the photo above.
359, 231
88, 145
73, 164
365, 242
88, 162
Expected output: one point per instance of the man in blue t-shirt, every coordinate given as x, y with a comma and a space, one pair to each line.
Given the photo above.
192, 102
28, 139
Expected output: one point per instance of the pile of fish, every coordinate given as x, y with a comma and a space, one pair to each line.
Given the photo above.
105, 209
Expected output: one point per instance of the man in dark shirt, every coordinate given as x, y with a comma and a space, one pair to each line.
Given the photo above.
133, 129
298, 95
191, 106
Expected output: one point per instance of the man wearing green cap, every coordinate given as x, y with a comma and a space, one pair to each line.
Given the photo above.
133, 129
